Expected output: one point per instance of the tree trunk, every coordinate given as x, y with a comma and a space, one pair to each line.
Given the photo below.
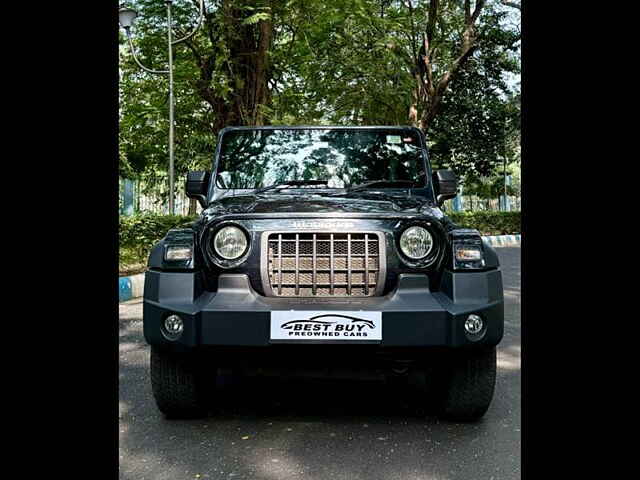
249, 47
192, 206
247, 67
427, 96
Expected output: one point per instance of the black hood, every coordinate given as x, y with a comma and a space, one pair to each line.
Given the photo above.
314, 203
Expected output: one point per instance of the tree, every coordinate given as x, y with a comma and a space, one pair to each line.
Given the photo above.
353, 62
221, 79
490, 187
478, 124
226, 63
429, 89
357, 64
452, 34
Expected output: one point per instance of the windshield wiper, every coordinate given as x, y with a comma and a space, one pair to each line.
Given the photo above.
291, 183
381, 183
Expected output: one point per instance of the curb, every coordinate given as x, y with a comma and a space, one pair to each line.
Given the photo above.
503, 240
133, 286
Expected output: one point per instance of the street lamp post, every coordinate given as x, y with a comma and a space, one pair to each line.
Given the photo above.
504, 163
127, 17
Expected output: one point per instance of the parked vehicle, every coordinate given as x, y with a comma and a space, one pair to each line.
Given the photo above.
323, 247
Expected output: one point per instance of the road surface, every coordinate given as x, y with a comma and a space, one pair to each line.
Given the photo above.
277, 430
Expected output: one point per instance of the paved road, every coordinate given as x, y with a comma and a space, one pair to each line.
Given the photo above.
369, 432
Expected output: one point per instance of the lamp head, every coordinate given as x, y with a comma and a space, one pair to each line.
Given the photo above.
127, 16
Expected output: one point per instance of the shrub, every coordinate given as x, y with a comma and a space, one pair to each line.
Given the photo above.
487, 222
139, 233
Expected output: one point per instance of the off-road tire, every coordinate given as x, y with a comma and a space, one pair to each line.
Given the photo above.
468, 385
180, 387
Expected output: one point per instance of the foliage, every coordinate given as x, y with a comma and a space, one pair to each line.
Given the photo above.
474, 120
356, 65
144, 125
493, 186
488, 223
347, 62
139, 233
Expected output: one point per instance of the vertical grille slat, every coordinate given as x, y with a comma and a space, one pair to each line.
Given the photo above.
324, 264
348, 264
366, 264
297, 264
332, 277
280, 266
314, 273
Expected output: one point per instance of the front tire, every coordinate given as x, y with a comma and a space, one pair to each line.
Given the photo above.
179, 385
469, 385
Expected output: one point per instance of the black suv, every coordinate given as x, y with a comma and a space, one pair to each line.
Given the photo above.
323, 249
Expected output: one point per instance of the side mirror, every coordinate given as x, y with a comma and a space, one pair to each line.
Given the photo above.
446, 185
198, 186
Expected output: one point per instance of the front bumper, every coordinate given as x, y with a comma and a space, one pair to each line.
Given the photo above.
237, 316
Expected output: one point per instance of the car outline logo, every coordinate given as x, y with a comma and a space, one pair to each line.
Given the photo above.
313, 320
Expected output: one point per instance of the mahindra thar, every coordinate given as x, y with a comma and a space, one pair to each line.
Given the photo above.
323, 249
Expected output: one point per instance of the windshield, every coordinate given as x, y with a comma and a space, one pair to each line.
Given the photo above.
251, 159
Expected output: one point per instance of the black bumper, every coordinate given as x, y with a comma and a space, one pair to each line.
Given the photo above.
237, 316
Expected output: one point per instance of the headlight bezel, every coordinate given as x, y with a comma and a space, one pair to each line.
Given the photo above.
430, 241
238, 233
212, 252
432, 255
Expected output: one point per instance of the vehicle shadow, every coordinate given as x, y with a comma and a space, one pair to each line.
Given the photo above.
267, 428
278, 427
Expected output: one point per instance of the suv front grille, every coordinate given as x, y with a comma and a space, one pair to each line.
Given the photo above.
324, 264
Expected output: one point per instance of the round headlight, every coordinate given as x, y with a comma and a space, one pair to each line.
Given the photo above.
230, 243
416, 242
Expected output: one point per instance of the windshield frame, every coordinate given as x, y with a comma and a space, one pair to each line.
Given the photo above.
216, 192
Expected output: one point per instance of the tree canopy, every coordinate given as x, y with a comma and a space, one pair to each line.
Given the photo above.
450, 67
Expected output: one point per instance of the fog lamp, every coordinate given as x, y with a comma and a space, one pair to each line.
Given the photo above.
173, 327
473, 324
